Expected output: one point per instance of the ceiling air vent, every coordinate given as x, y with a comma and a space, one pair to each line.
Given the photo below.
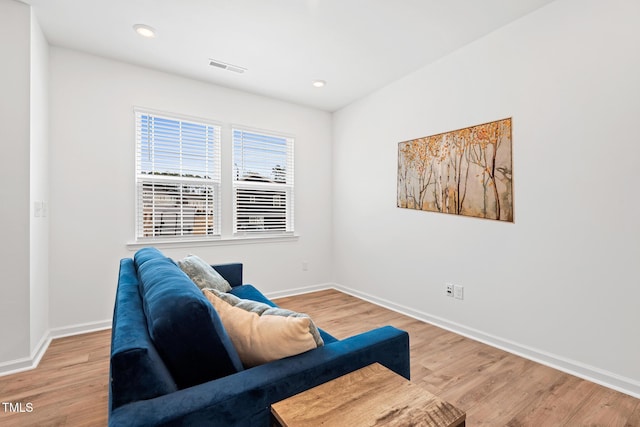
225, 66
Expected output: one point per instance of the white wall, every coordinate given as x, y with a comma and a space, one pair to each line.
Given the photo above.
39, 187
561, 284
14, 181
92, 181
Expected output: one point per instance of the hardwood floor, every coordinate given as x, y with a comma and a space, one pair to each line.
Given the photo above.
495, 388
68, 388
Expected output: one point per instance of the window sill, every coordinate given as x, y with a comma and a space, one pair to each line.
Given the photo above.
221, 241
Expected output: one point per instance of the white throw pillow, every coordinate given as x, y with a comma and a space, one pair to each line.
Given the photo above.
202, 274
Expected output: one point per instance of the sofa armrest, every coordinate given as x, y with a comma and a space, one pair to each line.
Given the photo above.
231, 272
245, 398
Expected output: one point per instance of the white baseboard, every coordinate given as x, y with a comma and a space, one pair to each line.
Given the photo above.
31, 362
15, 366
27, 363
300, 291
82, 328
40, 349
572, 367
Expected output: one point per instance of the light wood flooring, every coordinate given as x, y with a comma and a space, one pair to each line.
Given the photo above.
68, 388
495, 388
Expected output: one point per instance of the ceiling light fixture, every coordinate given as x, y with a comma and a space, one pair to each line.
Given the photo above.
145, 31
318, 83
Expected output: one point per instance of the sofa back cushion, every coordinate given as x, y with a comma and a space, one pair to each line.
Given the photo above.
136, 372
183, 325
146, 254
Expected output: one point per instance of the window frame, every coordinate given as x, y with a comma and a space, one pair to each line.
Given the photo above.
265, 186
214, 181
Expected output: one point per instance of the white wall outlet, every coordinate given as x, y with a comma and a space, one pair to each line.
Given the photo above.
458, 292
305, 265
449, 290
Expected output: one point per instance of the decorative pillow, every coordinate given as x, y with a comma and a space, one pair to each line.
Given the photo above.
262, 309
262, 339
202, 274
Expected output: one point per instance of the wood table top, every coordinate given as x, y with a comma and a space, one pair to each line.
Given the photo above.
371, 396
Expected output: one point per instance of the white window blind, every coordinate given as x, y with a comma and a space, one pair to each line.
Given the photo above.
177, 177
262, 182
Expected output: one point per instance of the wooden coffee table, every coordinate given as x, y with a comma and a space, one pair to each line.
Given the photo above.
370, 396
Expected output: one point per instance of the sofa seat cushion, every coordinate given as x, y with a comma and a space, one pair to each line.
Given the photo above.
250, 292
326, 337
183, 325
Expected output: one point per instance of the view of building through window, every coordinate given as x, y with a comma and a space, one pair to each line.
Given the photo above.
174, 209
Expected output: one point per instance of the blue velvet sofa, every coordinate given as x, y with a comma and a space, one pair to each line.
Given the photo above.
172, 362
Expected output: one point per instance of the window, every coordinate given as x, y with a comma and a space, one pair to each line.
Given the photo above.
177, 177
262, 183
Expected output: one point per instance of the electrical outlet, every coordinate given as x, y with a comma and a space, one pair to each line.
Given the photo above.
449, 290
305, 265
458, 292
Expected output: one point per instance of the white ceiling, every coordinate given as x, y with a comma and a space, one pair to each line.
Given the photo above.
357, 46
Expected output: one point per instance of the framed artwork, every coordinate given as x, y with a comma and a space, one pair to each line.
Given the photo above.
463, 172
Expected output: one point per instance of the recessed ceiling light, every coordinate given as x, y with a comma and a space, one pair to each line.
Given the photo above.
145, 30
318, 83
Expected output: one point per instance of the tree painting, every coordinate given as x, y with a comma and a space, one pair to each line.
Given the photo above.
464, 172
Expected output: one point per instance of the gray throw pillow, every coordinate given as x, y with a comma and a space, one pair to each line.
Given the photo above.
261, 308
202, 274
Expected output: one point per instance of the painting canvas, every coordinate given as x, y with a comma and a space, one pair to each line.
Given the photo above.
464, 172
